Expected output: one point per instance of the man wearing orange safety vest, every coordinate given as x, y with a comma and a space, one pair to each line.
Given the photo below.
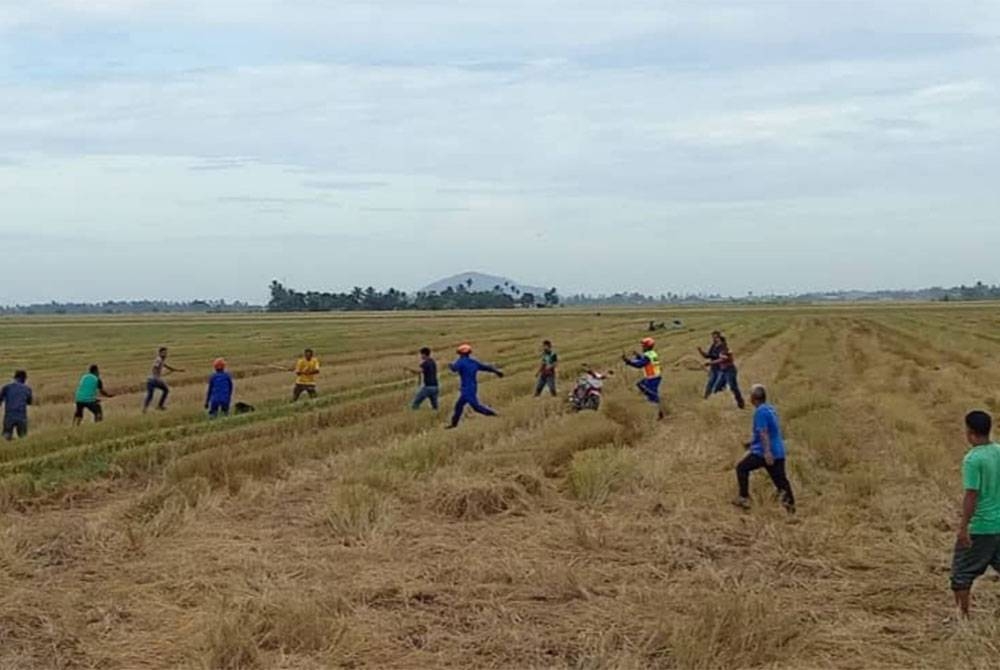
649, 362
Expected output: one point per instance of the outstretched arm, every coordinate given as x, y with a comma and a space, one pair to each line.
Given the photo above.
489, 368
637, 362
100, 389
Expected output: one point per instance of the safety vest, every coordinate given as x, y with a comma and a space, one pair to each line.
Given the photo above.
652, 368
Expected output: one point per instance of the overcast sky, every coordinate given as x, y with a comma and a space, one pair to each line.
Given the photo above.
200, 148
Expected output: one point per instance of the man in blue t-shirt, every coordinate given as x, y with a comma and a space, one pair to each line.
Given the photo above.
766, 450
467, 369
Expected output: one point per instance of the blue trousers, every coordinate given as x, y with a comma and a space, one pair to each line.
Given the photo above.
473, 402
715, 378
651, 389
151, 386
216, 407
729, 377
426, 393
545, 381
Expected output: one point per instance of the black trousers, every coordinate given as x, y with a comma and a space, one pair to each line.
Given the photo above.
777, 472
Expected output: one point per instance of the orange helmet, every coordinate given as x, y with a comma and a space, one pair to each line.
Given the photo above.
219, 364
464, 349
648, 343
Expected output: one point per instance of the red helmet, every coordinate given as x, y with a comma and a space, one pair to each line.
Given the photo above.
648, 343
464, 349
219, 364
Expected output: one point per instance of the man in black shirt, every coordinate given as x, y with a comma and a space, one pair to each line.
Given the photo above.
429, 387
715, 379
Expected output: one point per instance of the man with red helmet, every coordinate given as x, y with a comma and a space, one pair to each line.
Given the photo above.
220, 390
649, 362
467, 369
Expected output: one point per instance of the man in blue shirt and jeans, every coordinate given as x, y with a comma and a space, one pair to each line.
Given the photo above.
766, 450
428, 373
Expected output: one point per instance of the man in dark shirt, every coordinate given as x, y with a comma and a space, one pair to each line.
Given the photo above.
728, 375
15, 398
428, 372
714, 378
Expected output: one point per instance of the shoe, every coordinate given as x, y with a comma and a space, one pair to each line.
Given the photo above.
450, 427
742, 503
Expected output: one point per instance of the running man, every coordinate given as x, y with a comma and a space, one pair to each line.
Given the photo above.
15, 398
429, 388
649, 362
711, 356
306, 370
977, 546
155, 381
726, 373
88, 396
766, 450
547, 370
467, 368
220, 390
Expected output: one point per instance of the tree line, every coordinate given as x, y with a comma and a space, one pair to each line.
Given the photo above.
462, 296
132, 307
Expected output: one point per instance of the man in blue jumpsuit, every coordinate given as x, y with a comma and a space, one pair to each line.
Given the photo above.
467, 368
220, 390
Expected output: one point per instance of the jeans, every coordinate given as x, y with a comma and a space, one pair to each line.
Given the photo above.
472, 402
543, 382
729, 377
426, 393
151, 385
651, 389
711, 386
777, 472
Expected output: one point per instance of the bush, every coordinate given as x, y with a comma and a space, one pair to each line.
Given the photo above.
357, 512
596, 473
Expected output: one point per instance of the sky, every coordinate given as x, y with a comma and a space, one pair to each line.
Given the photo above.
179, 149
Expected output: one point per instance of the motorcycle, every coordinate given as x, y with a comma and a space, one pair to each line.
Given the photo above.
587, 392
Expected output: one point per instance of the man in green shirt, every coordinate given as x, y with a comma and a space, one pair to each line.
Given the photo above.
87, 394
978, 544
547, 370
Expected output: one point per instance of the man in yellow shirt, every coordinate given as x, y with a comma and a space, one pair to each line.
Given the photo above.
305, 375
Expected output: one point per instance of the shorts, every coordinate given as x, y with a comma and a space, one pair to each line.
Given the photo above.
94, 406
970, 563
11, 426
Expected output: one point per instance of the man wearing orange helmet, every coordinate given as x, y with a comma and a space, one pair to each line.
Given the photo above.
649, 362
467, 369
220, 390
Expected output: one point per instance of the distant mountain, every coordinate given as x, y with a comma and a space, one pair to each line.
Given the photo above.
484, 282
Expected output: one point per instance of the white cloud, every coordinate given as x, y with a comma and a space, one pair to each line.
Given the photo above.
532, 124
